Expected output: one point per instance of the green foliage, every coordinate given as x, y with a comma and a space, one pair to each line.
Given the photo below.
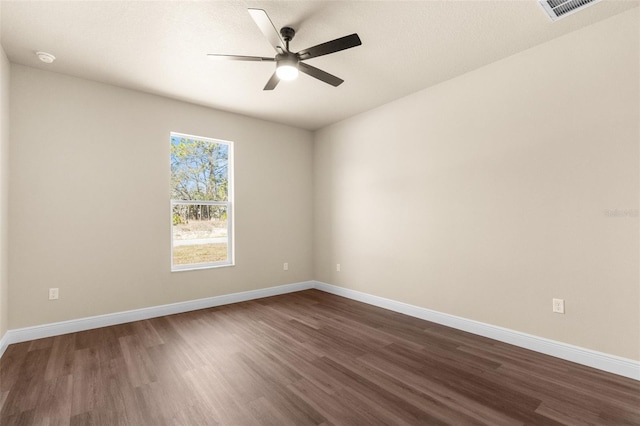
177, 219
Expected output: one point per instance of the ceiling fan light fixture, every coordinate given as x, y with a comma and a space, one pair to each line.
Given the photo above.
287, 72
287, 68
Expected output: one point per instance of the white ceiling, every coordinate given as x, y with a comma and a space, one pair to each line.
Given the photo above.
160, 47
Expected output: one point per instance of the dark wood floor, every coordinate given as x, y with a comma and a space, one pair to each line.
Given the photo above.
306, 358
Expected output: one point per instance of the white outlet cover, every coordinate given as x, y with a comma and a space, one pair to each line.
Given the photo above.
558, 306
53, 294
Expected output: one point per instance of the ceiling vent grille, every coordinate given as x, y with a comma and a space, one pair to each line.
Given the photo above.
557, 9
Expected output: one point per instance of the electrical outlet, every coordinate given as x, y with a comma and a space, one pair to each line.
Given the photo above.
558, 306
53, 293
337, 267
285, 266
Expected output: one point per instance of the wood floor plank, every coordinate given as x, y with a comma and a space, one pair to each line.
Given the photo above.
268, 414
61, 358
443, 394
306, 358
331, 406
140, 368
394, 407
434, 407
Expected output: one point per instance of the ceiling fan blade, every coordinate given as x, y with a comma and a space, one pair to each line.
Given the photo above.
239, 58
320, 75
267, 28
332, 46
272, 83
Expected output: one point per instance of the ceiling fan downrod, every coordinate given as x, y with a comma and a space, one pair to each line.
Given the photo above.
287, 34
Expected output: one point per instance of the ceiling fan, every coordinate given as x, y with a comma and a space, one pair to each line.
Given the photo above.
288, 63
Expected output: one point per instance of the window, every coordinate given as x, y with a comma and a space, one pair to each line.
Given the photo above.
201, 202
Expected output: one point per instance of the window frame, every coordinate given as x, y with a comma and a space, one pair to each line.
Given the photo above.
228, 204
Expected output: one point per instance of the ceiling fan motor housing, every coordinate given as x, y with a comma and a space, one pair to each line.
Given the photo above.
287, 33
287, 58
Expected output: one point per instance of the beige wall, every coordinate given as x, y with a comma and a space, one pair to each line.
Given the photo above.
89, 200
486, 196
4, 191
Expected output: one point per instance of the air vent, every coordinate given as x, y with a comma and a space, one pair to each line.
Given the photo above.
557, 9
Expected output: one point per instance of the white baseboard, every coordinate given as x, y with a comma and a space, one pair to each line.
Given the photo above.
602, 361
88, 323
4, 342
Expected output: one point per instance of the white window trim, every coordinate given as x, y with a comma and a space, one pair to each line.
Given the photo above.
229, 204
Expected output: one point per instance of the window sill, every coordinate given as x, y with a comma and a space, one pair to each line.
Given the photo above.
187, 268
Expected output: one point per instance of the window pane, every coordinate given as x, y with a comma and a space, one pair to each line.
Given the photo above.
199, 169
200, 234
